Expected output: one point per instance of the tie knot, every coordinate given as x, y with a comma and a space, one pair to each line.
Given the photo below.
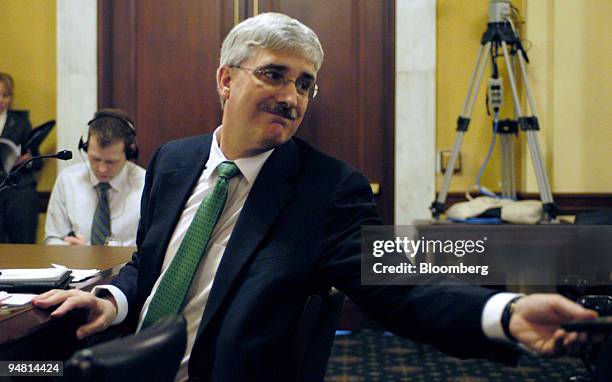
227, 170
103, 187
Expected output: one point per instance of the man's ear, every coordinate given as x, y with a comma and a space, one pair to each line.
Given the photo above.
223, 81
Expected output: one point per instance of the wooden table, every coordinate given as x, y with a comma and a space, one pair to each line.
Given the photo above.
28, 333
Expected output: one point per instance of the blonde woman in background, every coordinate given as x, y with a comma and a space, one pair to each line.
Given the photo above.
19, 204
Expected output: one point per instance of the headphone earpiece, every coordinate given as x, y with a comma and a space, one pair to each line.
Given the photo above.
131, 153
82, 145
131, 150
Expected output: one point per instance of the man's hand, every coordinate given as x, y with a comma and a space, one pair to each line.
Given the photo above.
102, 311
75, 240
536, 319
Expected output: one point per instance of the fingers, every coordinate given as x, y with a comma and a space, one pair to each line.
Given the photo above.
66, 299
85, 301
51, 298
98, 324
569, 310
101, 311
574, 343
556, 345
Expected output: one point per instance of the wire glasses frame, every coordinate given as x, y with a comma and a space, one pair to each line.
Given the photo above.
274, 78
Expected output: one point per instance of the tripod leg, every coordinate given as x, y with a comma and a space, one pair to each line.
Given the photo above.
506, 158
437, 206
532, 141
468, 104
532, 137
515, 97
532, 105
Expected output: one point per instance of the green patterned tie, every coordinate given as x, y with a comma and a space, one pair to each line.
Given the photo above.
173, 287
101, 224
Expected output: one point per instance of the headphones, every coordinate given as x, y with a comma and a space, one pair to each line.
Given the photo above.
131, 150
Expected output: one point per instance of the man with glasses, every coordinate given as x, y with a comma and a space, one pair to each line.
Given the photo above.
239, 227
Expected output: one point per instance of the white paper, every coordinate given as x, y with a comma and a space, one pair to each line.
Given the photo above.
18, 299
78, 274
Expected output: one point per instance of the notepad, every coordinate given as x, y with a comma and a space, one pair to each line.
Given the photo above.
35, 280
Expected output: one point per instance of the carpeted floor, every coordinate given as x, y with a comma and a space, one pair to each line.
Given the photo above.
374, 356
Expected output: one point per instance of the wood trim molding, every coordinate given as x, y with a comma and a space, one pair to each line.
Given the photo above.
567, 203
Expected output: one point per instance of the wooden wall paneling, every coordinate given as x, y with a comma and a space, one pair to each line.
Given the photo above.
117, 69
178, 54
159, 64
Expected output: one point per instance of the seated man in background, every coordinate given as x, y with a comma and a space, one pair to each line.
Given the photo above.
98, 201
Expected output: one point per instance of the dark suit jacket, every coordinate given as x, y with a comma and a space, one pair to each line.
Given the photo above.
298, 233
17, 129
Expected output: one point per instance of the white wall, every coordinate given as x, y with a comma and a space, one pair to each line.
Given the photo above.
415, 109
77, 84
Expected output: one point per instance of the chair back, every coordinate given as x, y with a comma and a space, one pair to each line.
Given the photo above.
154, 354
315, 335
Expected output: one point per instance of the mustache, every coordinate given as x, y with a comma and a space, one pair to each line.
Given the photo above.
280, 109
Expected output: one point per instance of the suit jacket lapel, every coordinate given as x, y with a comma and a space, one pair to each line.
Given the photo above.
269, 194
175, 188
9, 128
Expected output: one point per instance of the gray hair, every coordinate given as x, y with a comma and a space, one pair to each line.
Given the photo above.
273, 31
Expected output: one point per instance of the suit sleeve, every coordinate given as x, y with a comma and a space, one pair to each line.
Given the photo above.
447, 316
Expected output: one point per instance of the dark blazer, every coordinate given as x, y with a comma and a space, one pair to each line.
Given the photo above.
17, 129
298, 233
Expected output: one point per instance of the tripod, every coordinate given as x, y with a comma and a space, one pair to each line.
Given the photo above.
501, 35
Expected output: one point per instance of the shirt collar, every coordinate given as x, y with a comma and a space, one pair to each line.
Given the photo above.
249, 167
118, 183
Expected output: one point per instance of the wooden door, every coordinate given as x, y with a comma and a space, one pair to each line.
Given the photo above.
352, 117
158, 61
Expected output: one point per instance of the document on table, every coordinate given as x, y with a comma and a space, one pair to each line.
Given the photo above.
15, 299
78, 274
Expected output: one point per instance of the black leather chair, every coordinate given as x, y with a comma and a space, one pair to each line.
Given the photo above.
315, 335
154, 354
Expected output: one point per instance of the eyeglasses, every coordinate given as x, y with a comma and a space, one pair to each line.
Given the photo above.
275, 78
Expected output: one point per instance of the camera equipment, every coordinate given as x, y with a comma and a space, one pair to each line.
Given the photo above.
501, 36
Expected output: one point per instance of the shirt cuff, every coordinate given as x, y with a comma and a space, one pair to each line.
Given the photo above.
120, 299
492, 315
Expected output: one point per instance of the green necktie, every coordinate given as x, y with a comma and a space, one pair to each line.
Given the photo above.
173, 287
101, 224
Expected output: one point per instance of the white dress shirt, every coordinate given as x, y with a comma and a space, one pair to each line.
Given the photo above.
74, 200
198, 293
3, 118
